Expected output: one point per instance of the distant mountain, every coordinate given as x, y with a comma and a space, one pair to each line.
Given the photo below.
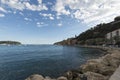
94, 36
9, 43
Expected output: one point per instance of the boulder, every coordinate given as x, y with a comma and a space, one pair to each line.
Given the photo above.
92, 66
105, 65
62, 78
69, 75
35, 77
92, 76
73, 74
112, 60
48, 78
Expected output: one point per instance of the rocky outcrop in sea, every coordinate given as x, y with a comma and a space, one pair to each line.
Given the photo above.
94, 69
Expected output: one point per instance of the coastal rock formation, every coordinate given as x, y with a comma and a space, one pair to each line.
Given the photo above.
94, 69
104, 66
62, 78
35, 77
40, 77
93, 76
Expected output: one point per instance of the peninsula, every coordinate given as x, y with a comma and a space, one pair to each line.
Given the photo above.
10, 43
101, 34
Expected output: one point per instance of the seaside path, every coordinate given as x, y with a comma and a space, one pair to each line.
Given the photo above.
116, 75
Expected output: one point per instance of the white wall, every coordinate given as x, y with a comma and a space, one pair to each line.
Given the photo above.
108, 36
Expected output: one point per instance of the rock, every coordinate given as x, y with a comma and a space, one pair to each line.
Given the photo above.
35, 77
92, 76
62, 78
69, 75
112, 60
48, 78
73, 74
105, 65
92, 66
107, 71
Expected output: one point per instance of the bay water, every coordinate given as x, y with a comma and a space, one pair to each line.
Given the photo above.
19, 62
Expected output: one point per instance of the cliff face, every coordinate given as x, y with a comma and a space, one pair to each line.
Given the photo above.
94, 36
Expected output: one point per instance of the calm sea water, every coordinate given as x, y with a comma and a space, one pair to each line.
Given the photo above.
19, 62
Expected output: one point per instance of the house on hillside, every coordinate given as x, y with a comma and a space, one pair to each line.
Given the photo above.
113, 37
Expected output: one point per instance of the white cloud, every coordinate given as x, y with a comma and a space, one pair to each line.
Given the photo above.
14, 12
27, 19
41, 24
21, 13
60, 24
49, 3
22, 5
40, 1
2, 15
58, 17
3, 10
50, 16
89, 10
60, 8
16, 4
34, 7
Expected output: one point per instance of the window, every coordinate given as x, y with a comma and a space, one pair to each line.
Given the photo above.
117, 33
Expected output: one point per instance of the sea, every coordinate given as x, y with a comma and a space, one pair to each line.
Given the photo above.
17, 62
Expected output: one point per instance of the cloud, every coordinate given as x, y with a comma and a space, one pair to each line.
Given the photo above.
49, 3
24, 4
41, 24
60, 8
35, 7
16, 4
58, 17
3, 10
27, 19
21, 13
50, 16
88, 10
60, 24
40, 1
2, 15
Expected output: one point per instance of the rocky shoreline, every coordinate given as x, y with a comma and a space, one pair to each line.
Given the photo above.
94, 69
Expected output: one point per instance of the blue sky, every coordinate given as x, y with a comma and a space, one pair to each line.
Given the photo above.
48, 21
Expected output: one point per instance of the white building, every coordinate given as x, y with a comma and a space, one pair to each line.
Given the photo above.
113, 34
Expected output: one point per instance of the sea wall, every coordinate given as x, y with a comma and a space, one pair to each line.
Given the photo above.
94, 69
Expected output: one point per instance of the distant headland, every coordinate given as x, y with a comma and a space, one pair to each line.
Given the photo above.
10, 43
101, 34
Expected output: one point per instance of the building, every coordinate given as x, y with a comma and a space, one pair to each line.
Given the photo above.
113, 34
113, 37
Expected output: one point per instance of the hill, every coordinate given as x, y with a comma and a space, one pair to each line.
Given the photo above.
9, 43
94, 36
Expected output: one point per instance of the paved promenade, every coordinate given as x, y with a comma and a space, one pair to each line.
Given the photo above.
116, 75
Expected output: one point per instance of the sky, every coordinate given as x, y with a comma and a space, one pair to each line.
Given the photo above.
49, 21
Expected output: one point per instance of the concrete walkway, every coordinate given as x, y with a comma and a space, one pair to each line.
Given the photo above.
116, 75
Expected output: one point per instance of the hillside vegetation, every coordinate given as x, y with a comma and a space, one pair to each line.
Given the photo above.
94, 36
10, 42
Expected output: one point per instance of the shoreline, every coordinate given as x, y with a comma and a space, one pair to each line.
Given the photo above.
94, 69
